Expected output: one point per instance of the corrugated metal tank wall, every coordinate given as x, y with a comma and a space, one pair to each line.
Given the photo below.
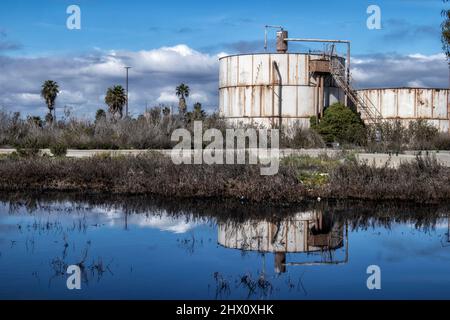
249, 89
407, 104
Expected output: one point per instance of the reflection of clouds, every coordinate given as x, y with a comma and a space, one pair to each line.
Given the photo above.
443, 225
70, 214
110, 213
161, 221
399, 250
164, 223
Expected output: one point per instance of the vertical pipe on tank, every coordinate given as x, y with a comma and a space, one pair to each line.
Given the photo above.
448, 111
305, 235
280, 262
321, 95
347, 62
279, 82
317, 102
282, 44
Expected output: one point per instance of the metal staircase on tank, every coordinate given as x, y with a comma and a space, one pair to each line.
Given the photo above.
363, 104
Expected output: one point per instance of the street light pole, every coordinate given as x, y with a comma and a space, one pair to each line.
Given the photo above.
126, 111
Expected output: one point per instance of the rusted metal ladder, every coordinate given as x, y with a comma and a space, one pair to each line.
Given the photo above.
363, 104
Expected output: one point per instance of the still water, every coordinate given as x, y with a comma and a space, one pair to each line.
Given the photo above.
135, 248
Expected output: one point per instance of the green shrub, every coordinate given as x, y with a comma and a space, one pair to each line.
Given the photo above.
322, 163
59, 149
313, 179
341, 124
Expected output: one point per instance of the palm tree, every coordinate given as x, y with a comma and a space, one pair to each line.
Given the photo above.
166, 111
34, 120
182, 92
116, 98
49, 92
100, 115
445, 34
199, 113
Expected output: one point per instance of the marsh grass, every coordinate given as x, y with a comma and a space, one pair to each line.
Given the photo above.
394, 137
296, 136
423, 180
148, 174
153, 130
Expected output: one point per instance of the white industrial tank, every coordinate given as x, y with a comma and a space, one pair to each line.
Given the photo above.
272, 88
408, 104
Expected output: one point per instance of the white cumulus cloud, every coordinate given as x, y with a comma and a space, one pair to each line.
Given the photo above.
394, 70
83, 80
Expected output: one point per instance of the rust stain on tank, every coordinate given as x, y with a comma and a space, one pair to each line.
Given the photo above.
260, 102
421, 98
270, 67
448, 107
432, 104
238, 71
307, 58
288, 68
240, 102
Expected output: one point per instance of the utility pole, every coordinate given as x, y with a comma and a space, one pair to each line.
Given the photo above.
126, 111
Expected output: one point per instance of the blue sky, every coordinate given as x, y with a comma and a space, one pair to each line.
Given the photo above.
39, 27
33, 34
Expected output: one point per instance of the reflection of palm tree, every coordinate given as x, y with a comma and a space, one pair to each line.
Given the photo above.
446, 242
448, 228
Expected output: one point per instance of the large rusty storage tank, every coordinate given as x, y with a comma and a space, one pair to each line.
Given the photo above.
269, 88
407, 104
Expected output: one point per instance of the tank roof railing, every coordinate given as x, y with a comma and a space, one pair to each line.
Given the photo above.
266, 27
317, 40
347, 42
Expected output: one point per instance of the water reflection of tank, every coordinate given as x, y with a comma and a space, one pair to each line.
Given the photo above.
307, 232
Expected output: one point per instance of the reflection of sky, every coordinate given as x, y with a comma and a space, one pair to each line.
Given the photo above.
162, 221
163, 257
100, 215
